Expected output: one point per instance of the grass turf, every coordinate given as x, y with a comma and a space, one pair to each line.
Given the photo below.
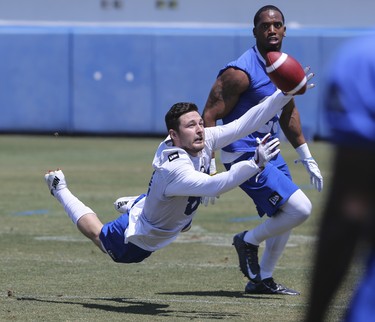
49, 272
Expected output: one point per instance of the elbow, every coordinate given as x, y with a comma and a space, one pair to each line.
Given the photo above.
209, 118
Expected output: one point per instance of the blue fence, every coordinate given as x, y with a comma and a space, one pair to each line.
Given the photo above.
122, 80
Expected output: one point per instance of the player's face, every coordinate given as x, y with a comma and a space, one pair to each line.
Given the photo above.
190, 136
270, 31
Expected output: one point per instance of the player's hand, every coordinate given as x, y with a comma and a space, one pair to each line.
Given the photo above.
209, 200
266, 150
206, 200
309, 76
213, 170
316, 178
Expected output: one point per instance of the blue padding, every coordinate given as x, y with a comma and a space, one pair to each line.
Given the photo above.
122, 80
185, 69
34, 78
113, 83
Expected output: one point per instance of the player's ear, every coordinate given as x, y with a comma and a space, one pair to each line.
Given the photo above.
284, 31
254, 33
173, 134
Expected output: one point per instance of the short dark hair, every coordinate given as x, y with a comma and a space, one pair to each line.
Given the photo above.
172, 118
266, 8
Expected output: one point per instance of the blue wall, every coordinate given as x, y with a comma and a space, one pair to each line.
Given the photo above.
122, 80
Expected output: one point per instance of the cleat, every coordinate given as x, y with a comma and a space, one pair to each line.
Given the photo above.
123, 204
268, 286
55, 181
248, 257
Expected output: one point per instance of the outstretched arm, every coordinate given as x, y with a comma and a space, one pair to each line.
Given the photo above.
251, 121
189, 182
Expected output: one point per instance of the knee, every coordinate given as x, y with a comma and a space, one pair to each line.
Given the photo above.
299, 207
305, 209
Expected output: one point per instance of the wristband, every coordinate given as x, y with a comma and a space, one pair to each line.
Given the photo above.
303, 151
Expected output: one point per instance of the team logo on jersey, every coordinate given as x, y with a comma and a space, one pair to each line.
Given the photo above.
173, 156
275, 198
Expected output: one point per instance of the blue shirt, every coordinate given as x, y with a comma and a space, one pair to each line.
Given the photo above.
350, 94
253, 64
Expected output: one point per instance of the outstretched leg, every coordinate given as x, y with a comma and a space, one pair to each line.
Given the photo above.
82, 216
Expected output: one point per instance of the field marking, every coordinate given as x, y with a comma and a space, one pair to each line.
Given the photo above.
43, 259
63, 238
195, 235
31, 212
199, 235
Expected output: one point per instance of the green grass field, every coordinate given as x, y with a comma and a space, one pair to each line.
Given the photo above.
49, 272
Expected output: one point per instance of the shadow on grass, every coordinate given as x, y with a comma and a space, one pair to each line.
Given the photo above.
228, 294
134, 306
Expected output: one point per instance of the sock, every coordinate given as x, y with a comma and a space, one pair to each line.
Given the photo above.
72, 205
250, 238
272, 252
276, 230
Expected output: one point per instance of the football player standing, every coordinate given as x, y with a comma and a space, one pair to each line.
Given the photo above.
240, 85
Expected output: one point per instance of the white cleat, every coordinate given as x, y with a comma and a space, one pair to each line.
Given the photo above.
123, 204
55, 181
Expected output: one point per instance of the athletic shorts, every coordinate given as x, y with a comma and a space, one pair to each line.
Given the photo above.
271, 188
113, 240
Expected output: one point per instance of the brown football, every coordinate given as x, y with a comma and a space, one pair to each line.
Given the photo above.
286, 73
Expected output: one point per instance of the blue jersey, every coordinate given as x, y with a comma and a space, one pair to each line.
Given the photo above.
253, 64
273, 187
350, 96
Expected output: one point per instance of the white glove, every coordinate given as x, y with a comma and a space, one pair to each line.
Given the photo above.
308, 78
266, 150
206, 200
316, 178
213, 170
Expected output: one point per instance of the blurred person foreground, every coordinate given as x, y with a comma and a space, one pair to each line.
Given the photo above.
348, 221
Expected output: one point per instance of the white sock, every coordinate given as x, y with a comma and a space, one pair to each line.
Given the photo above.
273, 250
276, 230
72, 205
250, 238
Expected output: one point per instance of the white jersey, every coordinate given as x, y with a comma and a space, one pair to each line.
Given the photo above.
180, 180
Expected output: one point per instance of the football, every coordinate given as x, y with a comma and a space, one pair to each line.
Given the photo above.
286, 73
